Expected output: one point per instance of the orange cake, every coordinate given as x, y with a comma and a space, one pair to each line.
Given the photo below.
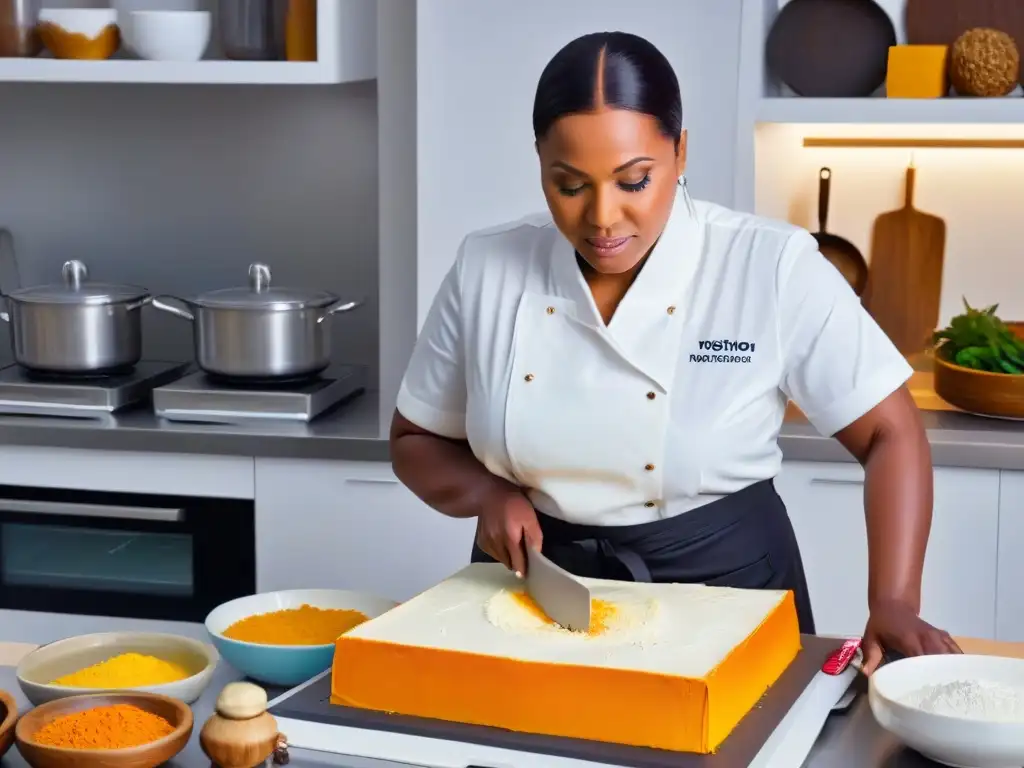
670, 666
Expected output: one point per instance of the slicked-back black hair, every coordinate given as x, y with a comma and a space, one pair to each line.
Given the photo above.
635, 76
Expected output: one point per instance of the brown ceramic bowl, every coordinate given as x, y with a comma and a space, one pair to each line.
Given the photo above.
8, 716
987, 394
177, 713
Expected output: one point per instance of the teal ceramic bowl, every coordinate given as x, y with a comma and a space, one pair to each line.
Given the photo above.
284, 665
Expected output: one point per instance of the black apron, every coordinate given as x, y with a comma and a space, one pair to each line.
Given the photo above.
744, 540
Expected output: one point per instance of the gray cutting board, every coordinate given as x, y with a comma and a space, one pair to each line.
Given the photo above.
313, 704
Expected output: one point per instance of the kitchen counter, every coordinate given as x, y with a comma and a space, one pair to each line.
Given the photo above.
850, 740
357, 431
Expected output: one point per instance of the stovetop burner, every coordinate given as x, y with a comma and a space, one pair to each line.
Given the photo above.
199, 397
32, 393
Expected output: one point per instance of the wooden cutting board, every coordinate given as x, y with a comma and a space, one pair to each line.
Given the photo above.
941, 22
905, 276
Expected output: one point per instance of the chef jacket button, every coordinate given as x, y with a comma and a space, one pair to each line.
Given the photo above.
671, 310
651, 395
550, 310
528, 377
649, 467
650, 504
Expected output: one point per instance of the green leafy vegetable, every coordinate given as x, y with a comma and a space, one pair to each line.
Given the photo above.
978, 339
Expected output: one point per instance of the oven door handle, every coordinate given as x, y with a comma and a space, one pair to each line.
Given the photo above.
154, 514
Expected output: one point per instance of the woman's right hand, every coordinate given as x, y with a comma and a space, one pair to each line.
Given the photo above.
506, 525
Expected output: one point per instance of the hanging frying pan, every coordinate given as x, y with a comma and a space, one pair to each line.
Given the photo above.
841, 252
830, 48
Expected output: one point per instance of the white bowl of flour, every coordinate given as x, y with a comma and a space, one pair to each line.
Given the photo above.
959, 710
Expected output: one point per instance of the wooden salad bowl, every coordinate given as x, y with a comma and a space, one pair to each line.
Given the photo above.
1000, 395
8, 717
176, 712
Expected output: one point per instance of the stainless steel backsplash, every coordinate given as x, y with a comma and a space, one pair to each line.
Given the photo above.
180, 188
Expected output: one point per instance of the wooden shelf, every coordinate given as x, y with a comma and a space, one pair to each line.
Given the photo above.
346, 46
958, 111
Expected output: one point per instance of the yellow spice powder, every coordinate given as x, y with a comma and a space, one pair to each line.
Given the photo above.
128, 670
305, 625
601, 612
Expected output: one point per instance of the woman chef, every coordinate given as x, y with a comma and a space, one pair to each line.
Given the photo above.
608, 382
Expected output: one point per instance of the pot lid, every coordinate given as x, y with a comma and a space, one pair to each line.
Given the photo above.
77, 289
260, 294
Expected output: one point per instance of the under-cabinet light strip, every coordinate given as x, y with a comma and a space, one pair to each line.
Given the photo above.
914, 143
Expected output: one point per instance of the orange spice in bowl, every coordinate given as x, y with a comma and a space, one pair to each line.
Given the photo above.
80, 33
114, 726
305, 625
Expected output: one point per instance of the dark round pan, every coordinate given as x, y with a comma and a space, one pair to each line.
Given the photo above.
831, 48
841, 252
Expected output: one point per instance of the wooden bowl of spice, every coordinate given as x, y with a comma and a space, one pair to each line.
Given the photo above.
8, 717
287, 637
147, 662
104, 730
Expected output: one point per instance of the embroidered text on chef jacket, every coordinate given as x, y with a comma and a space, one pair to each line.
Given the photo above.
679, 399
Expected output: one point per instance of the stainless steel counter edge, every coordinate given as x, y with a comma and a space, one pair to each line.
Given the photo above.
357, 431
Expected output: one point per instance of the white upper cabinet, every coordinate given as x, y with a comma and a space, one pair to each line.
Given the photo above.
346, 52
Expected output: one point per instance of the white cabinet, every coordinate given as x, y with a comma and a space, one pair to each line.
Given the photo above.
350, 525
1010, 583
826, 504
346, 42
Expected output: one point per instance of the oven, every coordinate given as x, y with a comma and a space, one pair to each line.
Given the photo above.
124, 554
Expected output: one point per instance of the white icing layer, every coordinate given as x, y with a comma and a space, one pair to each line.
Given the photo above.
674, 629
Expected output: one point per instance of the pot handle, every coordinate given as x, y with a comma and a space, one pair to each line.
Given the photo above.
139, 304
160, 302
339, 307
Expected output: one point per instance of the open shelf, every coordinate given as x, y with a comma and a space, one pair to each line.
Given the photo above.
134, 71
958, 111
346, 47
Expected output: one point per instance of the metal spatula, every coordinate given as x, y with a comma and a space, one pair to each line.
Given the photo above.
560, 594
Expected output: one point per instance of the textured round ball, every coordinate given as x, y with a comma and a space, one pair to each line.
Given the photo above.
984, 62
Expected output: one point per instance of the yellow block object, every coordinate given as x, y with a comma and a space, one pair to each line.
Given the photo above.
676, 667
917, 72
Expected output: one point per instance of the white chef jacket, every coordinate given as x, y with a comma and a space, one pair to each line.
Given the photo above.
678, 401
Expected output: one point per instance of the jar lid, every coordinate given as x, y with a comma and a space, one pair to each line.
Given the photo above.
261, 295
77, 289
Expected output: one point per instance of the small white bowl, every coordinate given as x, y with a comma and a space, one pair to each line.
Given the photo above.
39, 668
954, 741
88, 22
169, 35
284, 665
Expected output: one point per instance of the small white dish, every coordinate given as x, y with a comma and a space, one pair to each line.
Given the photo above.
955, 741
88, 22
39, 668
169, 35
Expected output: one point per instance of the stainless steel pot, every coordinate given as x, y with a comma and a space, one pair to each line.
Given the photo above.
260, 332
76, 327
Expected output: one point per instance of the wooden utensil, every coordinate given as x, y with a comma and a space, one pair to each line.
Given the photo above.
941, 22
8, 717
150, 755
841, 252
830, 48
905, 280
240, 733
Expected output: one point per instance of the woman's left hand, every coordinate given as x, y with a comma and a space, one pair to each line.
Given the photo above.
896, 625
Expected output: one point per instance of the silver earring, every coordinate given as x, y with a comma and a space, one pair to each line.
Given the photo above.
690, 207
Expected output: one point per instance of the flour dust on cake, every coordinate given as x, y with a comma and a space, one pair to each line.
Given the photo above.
668, 666
616, 616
